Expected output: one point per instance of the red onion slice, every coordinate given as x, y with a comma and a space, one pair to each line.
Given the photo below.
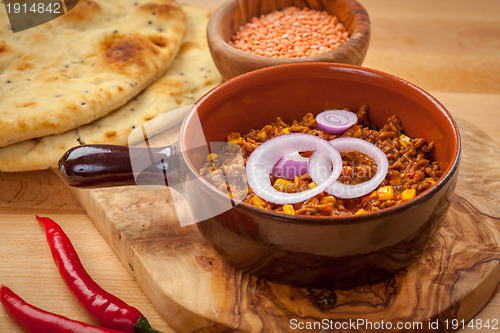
291, 166
262, 160
344, 145
335, 121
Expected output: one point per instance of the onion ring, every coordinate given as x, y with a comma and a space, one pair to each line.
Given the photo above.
335, 121
262, 160
344, 145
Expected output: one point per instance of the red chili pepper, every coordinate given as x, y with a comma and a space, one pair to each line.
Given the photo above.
36, 320
411, 174
107, 309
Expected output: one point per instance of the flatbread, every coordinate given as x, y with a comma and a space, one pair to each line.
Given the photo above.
81, 66
191, 75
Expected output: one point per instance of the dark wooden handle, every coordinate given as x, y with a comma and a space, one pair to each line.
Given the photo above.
110, 165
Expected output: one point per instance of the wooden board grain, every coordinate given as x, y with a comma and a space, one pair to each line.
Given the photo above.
194, 290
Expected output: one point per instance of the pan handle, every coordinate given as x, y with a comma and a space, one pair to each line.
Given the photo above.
110, 165
100, 165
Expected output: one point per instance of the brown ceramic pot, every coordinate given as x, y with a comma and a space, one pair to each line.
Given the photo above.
297, 249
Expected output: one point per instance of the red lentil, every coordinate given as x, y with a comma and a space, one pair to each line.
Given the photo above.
290, 33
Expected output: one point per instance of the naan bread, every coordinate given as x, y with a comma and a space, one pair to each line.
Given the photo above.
191, 75
81, 66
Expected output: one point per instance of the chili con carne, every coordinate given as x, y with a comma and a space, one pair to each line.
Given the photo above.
411, 168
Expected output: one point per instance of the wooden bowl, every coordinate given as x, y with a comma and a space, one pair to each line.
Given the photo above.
227, 19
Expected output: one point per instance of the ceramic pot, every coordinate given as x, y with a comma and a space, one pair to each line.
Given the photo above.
302, 250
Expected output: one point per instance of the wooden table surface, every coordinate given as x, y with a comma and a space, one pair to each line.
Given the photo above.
450, 48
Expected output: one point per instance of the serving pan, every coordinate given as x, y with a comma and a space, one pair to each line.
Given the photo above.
294, 249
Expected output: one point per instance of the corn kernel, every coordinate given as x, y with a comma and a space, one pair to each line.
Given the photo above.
430, 180
328, 199
358, 132
347, 171
233, 136
282, 184
211, 157
257, 201
288, 209
408, 194
237, 140
395, 181
385, 193
286, 130
262, 135
312, 185
312, 201
361, 211
404, 140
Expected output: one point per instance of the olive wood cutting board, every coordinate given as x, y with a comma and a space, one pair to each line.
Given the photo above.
194, 290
